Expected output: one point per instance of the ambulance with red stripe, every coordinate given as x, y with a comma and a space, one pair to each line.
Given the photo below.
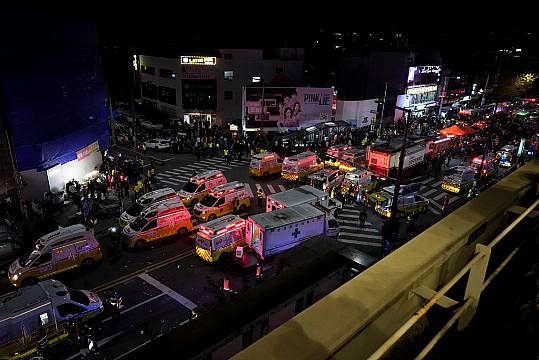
222, 200
220, 237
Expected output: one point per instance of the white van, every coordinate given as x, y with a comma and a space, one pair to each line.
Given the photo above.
143, 202
68, 248
224, 199
158, 221
200, 185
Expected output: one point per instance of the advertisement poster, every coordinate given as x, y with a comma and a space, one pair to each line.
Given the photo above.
286, 107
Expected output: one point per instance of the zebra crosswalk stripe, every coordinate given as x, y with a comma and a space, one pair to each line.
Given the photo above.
358, 242
341, 221
434, 210
270, 188
353, 211
355, 234
282, 188
426, 181
346, 227
453, 199
438, 183
431, 191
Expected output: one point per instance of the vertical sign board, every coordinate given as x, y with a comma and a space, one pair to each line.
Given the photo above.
87, 151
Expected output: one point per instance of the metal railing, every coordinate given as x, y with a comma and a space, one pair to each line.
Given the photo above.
476, 283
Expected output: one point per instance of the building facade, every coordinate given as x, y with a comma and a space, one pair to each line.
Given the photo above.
207, 90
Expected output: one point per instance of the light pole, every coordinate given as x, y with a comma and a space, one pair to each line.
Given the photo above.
442, 93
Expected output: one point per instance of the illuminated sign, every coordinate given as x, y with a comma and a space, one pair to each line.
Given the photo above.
135, 62
421, 89
198, 60
87, 151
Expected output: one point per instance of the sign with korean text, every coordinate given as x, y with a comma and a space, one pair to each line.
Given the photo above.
198, 60
87, 151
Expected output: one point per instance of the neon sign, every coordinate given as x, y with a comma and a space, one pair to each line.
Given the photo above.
198, 60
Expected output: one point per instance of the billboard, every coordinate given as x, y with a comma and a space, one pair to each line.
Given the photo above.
286, 107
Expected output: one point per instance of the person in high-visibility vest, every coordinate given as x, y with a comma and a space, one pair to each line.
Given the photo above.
226, 155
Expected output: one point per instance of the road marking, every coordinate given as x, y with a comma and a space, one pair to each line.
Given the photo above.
453, 199
271, 189
351, 211
348, 216
426, 181
169, 182
352, 222
194, 167
357, 242
175, 171
438, 183
434, 211
355, 234
435, 204
427, 193
250, 189
357, 228
172, 158
282, 188
99, 344
149, 268
173, 294
348, 206
136, 306
439, 196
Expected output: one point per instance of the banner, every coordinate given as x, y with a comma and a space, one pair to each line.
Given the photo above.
86, 151
286, 107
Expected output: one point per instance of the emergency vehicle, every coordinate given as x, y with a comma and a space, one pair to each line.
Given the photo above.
353, 159
407, 204
460, 180
200, 185
404, 189
326, 179
45, 307
298, 167
437, 146
265, 164
157, 222
335, 153
64, 249
143, 202
507, 156
383, 159
305, 194
358, 180
490, 165
219, 237
224, 199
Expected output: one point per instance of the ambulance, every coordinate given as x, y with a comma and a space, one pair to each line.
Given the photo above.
507, 156
224, 199
490, 165
220, 237
326, 179
358, 180
353, 159
143, 202
461, 179
157, 222
64, 249
265, 164
200, 185
411, 203
298, 167
335, 153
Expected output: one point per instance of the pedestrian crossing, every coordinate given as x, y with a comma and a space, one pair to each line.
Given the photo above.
431, 190
350, 231
177, 177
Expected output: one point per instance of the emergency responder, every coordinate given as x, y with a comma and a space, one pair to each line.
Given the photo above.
114, 236
445, 203
152, 174
261, 196
115, 302
42, 342
226, 155
470, 192
362, 217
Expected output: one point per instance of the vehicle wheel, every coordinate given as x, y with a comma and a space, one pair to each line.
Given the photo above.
266, 173
243, 208
182, 230
212, 217
139, 245
29, 281
87, 263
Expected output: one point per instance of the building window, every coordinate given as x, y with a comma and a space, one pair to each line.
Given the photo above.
229, 74
228, 56
149, 90
147, 69
228, 95
255, 79
165, 73
167, 95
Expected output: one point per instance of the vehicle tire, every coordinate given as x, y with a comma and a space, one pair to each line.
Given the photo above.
29, 281
266, 174
182, 230
243, 208
87, 263
140, 244
212, 217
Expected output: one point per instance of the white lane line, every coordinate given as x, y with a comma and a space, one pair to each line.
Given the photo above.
170, 182
434, 211
427, 193
357, 242
165, 289
341, 221
346, 227
136, 306
348, 216
271, 189
453, 199
438, 183
282, 188
426, 181
366, 236
432, 202
438, 197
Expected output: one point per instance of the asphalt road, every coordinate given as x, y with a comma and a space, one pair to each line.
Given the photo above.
165, 284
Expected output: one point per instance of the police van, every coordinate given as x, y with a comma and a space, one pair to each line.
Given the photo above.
158, 221
220, 237
200, 185
222, 200
64, 249
143, 202
44, 308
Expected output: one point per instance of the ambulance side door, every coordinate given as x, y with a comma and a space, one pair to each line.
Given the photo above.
150, 230
220, 204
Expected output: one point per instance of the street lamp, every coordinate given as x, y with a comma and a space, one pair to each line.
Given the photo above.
442, 93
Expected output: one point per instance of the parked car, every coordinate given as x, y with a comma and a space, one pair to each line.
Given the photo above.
157, 144
10, 246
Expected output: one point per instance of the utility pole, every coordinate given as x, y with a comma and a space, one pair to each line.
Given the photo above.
381, 120
485, 91
441, 97
487, 139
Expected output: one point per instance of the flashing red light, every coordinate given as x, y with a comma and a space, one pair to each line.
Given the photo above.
484, 171
268, 157
219, 175
121, 178
286, 159
222, 231
200, 181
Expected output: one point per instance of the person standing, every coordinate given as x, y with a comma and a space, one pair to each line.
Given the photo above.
362, 217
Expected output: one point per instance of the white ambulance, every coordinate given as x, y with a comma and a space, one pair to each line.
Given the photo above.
298, 167
222, 200
200, 185
220, 237
143, 202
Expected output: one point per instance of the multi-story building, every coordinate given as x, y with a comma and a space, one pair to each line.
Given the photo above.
207, 89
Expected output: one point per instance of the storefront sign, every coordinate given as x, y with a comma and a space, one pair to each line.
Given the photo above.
198, 60
87, 151
233, 127
421, 89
